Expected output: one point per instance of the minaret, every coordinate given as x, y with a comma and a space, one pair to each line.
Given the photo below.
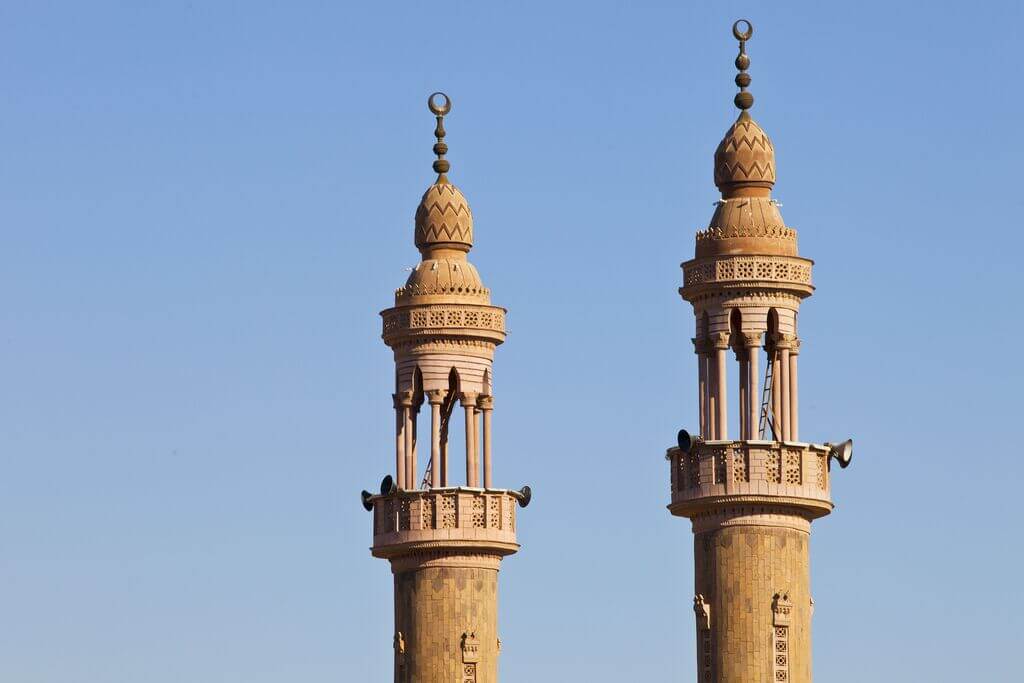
750, 499
444, 541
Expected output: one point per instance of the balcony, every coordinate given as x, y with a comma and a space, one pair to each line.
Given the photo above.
720, 473
442, 518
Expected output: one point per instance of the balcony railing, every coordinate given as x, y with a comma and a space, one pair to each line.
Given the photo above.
733, 471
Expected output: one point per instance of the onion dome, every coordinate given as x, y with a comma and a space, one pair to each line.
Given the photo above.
747, 219
443, 219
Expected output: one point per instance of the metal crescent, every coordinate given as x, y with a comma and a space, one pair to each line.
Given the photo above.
745, 35
435, 108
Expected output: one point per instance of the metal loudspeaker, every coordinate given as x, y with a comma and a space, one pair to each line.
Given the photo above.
525, 495
387, 485
842, 452
367, 503
684, 440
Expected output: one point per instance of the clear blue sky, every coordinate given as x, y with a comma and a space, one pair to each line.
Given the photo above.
204, 206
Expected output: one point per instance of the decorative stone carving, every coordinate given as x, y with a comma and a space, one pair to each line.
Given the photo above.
443, 218
703, 611
399, 646
719, 340
470, 648
782, 609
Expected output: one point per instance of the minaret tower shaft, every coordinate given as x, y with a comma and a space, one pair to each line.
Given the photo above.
751, 499
444, 541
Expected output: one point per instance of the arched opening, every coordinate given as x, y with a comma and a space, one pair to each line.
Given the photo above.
742, 413
769, 426
447, 413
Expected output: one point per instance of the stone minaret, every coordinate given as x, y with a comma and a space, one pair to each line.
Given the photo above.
444, 541
750, 499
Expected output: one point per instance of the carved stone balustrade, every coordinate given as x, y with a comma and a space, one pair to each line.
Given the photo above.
730, 473
445, 518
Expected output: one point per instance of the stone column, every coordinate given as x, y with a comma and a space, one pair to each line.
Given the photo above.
785, 344
752, 342
412, 476
700, 348
794, 413
436, 398
720, 342
744, 413
486, 405
776, 394
472, 472
410, 443
399, 440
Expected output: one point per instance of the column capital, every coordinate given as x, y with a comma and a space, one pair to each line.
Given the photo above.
402, 399
468, 398
751, 339
485, 402
701, 346
719, 340
436, 396
786, 342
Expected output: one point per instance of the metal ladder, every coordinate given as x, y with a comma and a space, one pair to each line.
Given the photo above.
767, 419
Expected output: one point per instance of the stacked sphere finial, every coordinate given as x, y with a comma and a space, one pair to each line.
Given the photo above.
744, 100
441, 165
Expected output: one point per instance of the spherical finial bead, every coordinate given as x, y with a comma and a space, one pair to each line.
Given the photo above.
743, 80
743, 62
744, 100
440, 148
441, 166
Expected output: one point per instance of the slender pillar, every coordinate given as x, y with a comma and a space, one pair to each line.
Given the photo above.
776, 394
753, 348
744, 413
784, 385
700, 348
469, 404
486, 405
399, 441
721, 342
436, 397
794, 413
410, 446
712, 400
444, 460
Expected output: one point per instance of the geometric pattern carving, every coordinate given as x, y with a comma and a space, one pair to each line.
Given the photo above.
745, 154
792, 471
705, 660
443, 215
442, 316
440, 510
756, 268
773, 465
739, 465
782, 610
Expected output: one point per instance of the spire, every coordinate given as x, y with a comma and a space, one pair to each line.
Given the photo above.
745, 159
441, 165
443, 218
744, 100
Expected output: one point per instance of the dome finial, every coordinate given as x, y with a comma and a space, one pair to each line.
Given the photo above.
441, 164
744, 100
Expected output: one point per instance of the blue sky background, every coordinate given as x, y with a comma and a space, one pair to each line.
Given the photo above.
203, 206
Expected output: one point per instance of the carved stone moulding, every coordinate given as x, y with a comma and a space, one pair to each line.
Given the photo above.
455, 519
790, 273
444, 320
727, 473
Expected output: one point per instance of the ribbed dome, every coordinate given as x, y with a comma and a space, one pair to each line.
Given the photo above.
443, 219
745, 158
454, 278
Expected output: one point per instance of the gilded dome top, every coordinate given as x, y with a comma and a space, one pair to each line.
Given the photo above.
443, 219
744, 158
